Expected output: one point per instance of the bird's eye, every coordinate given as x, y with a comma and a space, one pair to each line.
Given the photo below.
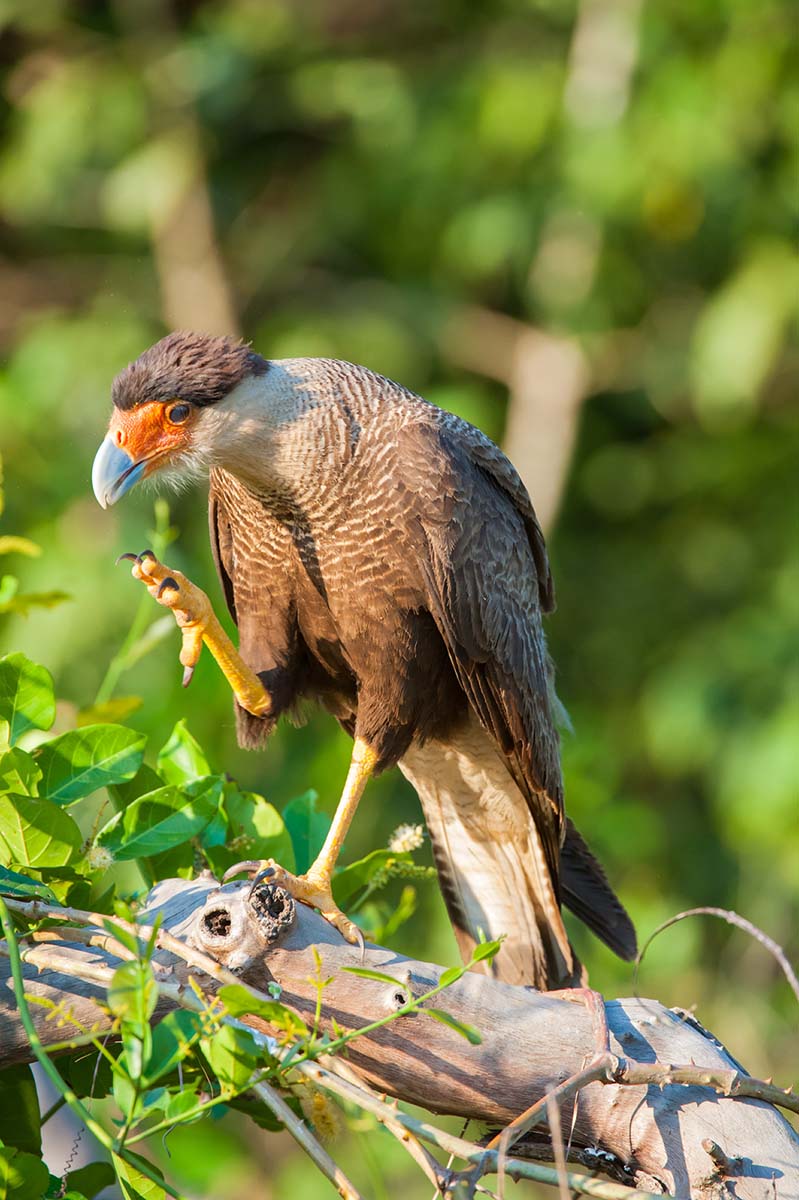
178, 413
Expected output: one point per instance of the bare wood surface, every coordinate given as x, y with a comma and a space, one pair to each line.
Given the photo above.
653, 1132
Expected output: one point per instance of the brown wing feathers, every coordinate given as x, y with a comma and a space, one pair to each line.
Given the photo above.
484, 598
469, 543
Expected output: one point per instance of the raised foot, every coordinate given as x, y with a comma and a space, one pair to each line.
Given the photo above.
198, 624
312, 889
191, 606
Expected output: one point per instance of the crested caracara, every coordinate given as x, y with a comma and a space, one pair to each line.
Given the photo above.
383, 557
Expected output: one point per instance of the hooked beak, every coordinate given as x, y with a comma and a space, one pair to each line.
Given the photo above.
114, 472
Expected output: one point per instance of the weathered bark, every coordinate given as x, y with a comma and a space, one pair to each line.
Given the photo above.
652, 1136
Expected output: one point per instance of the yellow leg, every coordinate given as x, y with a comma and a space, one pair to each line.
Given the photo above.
198, 624
362, 764
314, 887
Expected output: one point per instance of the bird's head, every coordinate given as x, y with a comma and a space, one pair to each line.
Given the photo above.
167, 409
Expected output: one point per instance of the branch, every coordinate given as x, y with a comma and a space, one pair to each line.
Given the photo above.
732, 918
305, 1138
673, 1087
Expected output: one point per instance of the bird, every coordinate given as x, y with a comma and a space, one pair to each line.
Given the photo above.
380, 556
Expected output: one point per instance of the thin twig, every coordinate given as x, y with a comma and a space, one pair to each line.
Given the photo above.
424, 1159
556, 1135
86, 937
727, 1082
536, 1112
37, 910
502, 1158
469, 1151
732, 918
303, 1136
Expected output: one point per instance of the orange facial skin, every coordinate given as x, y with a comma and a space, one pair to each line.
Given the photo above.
148, 434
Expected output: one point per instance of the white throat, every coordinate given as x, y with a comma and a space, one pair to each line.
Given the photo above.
250, 433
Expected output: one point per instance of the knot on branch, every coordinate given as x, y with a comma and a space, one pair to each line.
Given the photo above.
238, 921
274, 910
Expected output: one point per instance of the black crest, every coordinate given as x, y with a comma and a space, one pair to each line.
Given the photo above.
191, 366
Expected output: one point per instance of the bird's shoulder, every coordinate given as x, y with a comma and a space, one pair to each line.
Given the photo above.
463, 479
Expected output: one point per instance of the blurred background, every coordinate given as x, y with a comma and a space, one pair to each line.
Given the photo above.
572, 223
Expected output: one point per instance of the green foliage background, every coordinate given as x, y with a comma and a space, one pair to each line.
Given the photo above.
622, 173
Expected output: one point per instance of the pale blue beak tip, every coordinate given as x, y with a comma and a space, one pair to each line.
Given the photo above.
113, 473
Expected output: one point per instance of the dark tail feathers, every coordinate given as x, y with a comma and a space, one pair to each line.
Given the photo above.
586, 891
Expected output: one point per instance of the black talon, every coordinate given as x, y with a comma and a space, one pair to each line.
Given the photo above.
146, 554
168, 583
264, 874
262, 877
126, 558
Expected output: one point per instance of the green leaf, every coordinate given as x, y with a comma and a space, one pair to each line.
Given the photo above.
20, 1124
486, 951
402, 913
124, 794
125, 936
181, 1103
87, 1072
152, 1100
123, 1089
36, 833
450, 976
467, 1031
173, 1039
27, 700
22, 1176
177, 863
358, 875
137, 1041
308, 828
9, 586
232, 1055
181, 759
216, 831
255, 1111
256, 830
109, 711
134, 1184
365, 973
12, 884
133, 994
19, 772
79, 762
91, 1179
162, 819
240, 1003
